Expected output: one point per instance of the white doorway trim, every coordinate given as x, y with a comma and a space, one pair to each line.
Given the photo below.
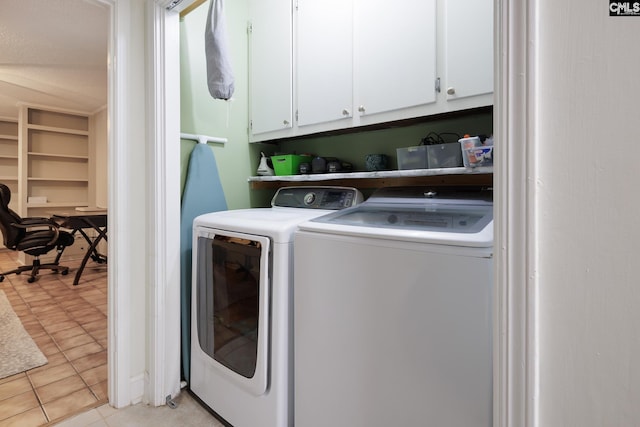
162, 328
163, 177
515, 340
119, 254
515, 363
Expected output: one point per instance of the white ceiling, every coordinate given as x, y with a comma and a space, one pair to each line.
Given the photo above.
53, 53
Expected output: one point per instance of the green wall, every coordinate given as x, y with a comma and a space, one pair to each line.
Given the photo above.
201, 114
353, 147
237, 160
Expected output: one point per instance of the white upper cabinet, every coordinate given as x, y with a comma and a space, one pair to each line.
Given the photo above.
468, 28
363, 57
363, 62
324, 61
270, 66
395, 54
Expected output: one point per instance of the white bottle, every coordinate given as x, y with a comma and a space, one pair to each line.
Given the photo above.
263, 167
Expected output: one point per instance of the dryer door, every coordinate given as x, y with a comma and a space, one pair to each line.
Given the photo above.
232, 305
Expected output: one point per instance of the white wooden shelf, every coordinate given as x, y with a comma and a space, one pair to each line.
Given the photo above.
58, 130
58, 179
9, 160
55, 157
453, 176
56, 204
59, 156
376, 174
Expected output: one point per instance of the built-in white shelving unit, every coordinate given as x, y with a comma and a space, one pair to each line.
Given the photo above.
9, 159
55, 157
56, 160
9, 151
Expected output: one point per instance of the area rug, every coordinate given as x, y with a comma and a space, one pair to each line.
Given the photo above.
18, 352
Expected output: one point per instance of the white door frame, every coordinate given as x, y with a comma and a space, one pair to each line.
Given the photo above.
162, 347
119, 347
515, 340
163, 293
515, 363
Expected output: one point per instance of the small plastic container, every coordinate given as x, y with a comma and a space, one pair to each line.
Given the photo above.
288, 164
474, 153
478, 156
412, 157
444, 156
433, 156
469, 142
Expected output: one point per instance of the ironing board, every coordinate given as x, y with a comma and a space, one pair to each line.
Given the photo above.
202, 194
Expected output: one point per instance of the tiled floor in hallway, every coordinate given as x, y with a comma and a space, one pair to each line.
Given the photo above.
69, 325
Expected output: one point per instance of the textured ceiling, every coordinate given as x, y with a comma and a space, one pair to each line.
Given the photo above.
53, 53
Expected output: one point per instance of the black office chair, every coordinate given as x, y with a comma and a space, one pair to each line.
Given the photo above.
33, 236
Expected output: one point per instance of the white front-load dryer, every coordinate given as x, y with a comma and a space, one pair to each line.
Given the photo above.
241, 335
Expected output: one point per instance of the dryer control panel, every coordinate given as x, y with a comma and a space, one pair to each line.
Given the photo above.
317, 197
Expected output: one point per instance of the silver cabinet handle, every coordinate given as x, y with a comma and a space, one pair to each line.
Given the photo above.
361, 109
451, 91
285, 122
345, 112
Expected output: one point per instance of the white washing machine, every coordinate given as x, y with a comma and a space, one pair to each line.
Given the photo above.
392, 312
241, 349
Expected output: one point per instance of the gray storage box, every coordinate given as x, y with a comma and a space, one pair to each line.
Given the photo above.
412, 157
444, 155
430, 156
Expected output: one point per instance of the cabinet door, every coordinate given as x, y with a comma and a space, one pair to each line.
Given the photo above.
324, 56
395, 54
270, 65
468, 48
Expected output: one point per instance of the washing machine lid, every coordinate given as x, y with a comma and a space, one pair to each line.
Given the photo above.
457, 218
278, 224
291, 206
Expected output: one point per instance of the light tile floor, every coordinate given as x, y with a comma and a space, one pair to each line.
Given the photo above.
189, 413
69, 325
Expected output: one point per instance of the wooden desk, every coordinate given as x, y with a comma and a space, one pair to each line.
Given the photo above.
78, 222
